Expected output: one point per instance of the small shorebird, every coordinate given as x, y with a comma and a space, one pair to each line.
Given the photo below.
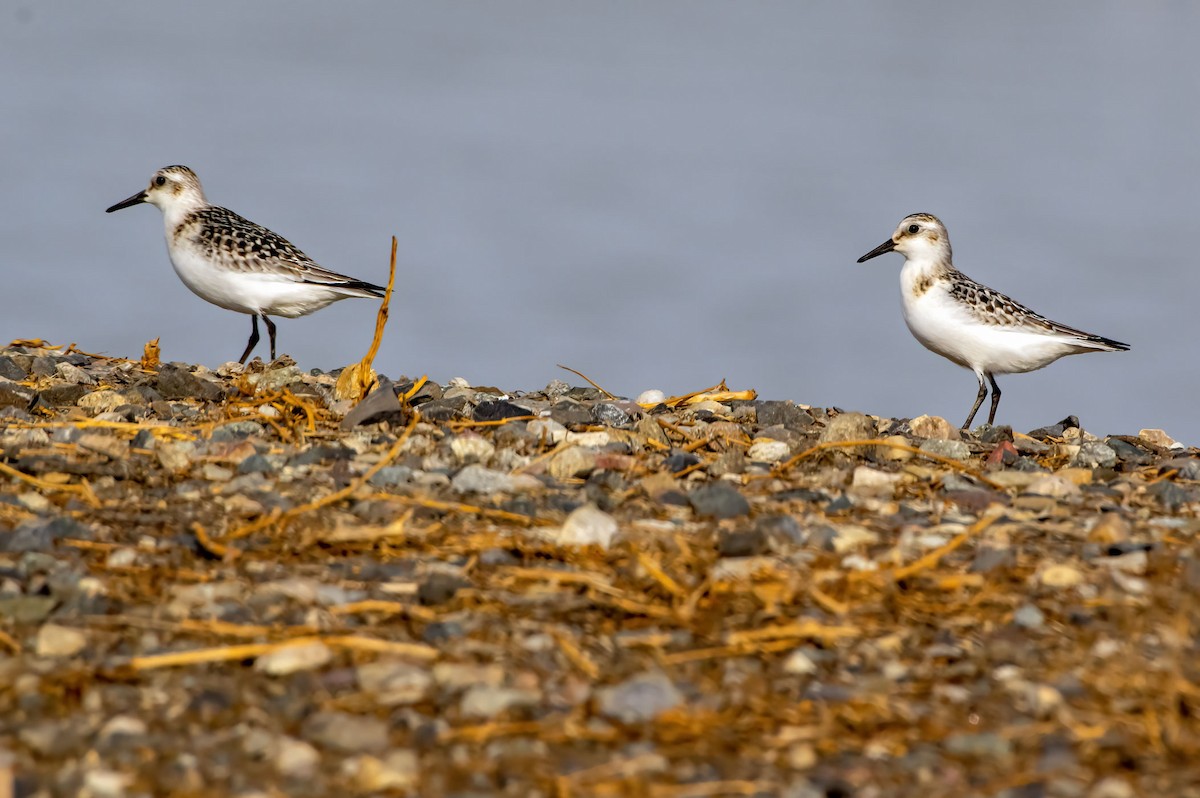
236, 264
969, 323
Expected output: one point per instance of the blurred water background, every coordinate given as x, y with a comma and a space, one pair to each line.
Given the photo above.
658, 194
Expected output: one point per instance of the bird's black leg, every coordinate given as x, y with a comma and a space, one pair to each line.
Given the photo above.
271, 332
995, 398
978, 401
253, 339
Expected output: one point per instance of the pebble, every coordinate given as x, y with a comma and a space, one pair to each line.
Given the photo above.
1053, 486
486, 701
59, 641
399, 770
1094, 454
292, 659
1112, 787
639, 699
651, 397
872, 479
472, 448
799, 663
392, 683
719, 501
849, 537
955, 450
764, 450
455, 676
295, 759
785, 413
933, 427
741, 542
572, 463
101, 401
611, 415
848, 427
1028, 616
102, 783
984, 745
1061, 576
547, 429
588, 525
478, 479
1158, 437
346, 733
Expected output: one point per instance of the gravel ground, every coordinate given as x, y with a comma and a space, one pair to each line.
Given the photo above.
234, 583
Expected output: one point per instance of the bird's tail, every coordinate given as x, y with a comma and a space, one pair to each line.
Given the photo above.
1107, 344
359, 288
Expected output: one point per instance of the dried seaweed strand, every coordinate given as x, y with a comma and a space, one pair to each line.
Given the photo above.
707, 789
386, 607
459, 507
251, 650
662, 577
9, 642
456, 426
589, 380
574, 654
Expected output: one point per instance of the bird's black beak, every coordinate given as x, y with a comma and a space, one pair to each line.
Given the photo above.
886, 246
136, 199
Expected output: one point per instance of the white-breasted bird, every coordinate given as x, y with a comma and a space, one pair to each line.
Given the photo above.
968, 323
236, 264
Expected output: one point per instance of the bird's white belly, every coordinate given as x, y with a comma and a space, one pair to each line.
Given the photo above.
943, 326
248, 292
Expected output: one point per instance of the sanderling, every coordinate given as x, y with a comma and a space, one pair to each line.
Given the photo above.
237, 264
968, 323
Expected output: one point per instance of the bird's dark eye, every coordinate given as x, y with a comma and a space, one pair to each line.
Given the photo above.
912, 228
162, 181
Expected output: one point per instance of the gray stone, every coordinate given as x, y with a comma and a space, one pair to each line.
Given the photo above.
38, 534
238, 430
391, 476
741, 542
176, 382
9, 369
639, 699
785, 413
439, 587
611, 414
478, 479
341, 731
1029, 617
1094, 454
257, 464
14, 395
379, 406
719, 501
990, 558
781, 531
955, 450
